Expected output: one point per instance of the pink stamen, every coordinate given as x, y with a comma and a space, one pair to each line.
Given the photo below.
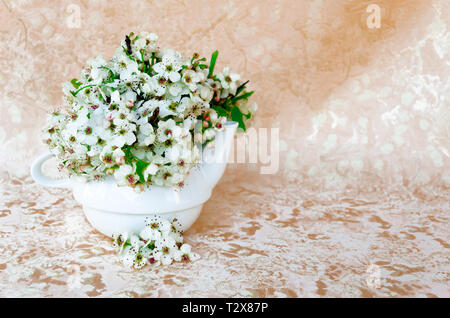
130, 179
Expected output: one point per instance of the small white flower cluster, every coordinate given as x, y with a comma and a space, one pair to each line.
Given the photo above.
135, 116
160, 242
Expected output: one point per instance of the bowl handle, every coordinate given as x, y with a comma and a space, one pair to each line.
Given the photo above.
36, 173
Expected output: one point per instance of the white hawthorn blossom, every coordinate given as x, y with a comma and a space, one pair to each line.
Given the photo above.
125, 175
229, 81
169, 66
184, 254
123, 65
133, 117
159, 243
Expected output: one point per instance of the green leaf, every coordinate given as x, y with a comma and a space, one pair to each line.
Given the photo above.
243, 96
202, 66
128, 156
237, 116
213, 62
76, 83
140, 167
220, 111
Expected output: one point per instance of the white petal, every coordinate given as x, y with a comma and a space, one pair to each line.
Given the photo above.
146, 233
130, 138
175, 89
166, 260
174, 76
159, 68
185, 248
119, 141
151, 169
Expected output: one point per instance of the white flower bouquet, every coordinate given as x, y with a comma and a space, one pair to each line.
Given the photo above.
144, 115
159, 243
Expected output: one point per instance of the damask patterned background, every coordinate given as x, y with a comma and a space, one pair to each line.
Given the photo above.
360, 203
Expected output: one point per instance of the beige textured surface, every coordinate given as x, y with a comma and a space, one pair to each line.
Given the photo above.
364, 166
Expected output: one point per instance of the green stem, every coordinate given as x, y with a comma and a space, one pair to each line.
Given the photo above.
143, 62
153, 58
107, 68
128, 54
80, 89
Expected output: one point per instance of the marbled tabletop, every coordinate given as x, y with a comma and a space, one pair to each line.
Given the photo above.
358, 204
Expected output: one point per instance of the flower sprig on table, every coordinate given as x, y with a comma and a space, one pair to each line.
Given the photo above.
137, 115
160, 242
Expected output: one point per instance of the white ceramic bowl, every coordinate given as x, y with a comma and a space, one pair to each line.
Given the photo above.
112, 209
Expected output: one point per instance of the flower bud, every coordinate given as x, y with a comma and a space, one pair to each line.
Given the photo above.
120, 160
